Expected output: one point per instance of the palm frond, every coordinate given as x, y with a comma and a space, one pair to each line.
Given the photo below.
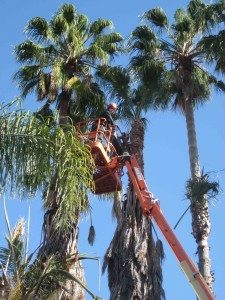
183, 22
58, 26
28, 52
157, 16
218, 84
110, 43
73, 83
143, 39
99, 26
68, 12
44, 278
201, 189
28, 78
206, 16
96, 53
91, 235
147, 69
116, 81
31, 152
38, 29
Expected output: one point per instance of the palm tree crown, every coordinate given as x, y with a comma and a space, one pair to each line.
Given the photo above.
60, 56
176, 58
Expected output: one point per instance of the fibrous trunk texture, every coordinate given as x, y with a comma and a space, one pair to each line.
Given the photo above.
133, 258
201, 225
55, 241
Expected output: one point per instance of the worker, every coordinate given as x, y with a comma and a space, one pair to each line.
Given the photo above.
107, 114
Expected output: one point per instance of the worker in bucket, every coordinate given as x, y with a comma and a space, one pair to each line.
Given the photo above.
107, 114
116, 141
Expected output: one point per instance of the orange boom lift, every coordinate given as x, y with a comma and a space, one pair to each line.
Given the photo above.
109, 169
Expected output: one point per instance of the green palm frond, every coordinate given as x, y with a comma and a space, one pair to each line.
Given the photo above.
68, 12
110, 43
157, 16
28, 52
28, 78
218, 84
147, 69
206, 16
99, 26
143, 39
214, 46
199, 187
38, 29
96, 53
183, 22
31, 152
58, 26
90, 100
180, 15
44, 278
116, 81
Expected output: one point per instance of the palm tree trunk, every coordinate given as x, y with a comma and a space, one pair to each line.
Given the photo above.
133, 260
62, 245
56, 242
199, 209
64, 104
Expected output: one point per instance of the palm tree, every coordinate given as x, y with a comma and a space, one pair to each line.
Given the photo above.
60, 56
59, 60
172, 52
133, 258
31, 152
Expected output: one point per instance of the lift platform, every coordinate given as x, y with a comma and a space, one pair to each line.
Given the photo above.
109, 164
101, 140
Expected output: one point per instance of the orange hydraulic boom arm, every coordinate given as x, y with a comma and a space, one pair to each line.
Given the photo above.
108, 179
151, 208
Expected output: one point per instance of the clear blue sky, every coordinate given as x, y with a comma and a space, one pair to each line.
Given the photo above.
166, 152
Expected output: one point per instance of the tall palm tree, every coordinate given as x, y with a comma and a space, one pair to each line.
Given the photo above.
31, 151
59, 58
172, 52
133, 258
59, 61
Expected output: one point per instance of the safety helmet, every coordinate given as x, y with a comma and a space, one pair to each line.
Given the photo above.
112, 106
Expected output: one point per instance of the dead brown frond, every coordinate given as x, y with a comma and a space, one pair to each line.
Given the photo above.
160, 250
116, 209
91, 236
